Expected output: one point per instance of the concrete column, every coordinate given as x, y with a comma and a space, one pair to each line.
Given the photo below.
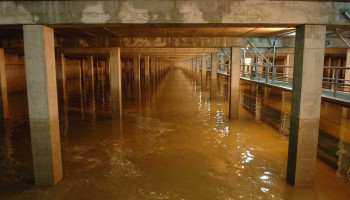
234, 82
289, 62
147, 79
61, 75
90, 62
3, 88
347, 72
108, 70
306, 102
42, 103
285, 118
343, 152
116, 83
156, 66
152, 70
136, 72
204, 70
214, 75
258, 104
198, 64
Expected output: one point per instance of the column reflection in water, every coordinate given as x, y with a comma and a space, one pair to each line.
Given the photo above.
275, 105
285, 113
163, 153
343, 153
257, 104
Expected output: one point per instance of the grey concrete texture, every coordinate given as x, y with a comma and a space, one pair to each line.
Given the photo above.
42, 104
307, 79
40, 72
46, 150
116, 83
234, 83
306, 103
302, 151
172, 11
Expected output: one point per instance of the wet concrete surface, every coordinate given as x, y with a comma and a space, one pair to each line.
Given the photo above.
172, 143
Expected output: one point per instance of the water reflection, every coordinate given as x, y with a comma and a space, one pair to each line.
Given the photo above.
273, 107
175, 144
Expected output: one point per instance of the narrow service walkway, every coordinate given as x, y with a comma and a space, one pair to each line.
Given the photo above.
343, 97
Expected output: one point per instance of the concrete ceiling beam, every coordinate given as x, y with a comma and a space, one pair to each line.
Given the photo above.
276, 13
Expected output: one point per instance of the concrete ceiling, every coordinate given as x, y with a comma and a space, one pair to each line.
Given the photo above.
110, 31
152, 31
156, 30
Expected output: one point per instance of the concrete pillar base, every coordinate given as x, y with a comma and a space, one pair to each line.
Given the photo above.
46, 148
301, 170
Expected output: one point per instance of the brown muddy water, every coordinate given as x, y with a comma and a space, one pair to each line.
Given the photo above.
172, 143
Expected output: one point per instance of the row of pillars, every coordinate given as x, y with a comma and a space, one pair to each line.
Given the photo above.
43, 106
306, 99
234, 78
43, 92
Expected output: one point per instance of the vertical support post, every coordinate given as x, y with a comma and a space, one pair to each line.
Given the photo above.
3, 88
147, 79
234, 82
156, 69
61, 75
306, 102
204, 70
91, 74
198, 64
42, 103
347, 72
214, 75
136, 72
152, 70
116, 82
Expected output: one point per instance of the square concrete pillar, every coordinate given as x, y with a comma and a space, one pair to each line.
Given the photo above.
91, 71
42, 103
214, 75
61, 75
156, 69
306, 102
347, 72
204, 70
3, 88
108, 70
234, 82
152, 70
147, 72
116, 83
198, 70
136, 69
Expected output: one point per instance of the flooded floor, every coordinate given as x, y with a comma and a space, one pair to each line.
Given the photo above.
172, 143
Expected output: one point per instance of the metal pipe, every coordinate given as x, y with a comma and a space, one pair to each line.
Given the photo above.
225, 53
267, 61
343, 39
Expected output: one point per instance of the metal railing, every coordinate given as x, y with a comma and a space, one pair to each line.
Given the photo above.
338, 81
283, 75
